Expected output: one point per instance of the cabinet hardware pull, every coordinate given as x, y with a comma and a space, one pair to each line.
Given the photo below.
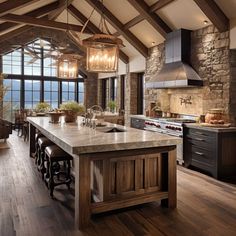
199, 153
200, 133
199, 139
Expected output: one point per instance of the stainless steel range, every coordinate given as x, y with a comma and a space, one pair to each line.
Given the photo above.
171, 126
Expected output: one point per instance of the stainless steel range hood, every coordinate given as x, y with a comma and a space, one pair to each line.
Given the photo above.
177, 71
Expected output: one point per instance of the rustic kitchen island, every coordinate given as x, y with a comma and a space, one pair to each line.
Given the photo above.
115, 166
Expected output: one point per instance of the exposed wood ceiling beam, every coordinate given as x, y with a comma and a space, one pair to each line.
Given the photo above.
42, 22
14, 33
35, 13
214, 13
157, 23
61, 7
133, 22
155, 7
158, 5
131, 38
82, 19
22, 29
10, 5
93, 28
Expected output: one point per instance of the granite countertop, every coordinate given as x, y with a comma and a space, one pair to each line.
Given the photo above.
209, 128
139, 116
76, 139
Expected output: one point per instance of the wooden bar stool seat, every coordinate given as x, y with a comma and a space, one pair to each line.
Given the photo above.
54, 155
43, 142
37, 136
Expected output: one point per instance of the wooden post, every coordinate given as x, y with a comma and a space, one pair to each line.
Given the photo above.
32, 140
172, 198
82, 191
169, 178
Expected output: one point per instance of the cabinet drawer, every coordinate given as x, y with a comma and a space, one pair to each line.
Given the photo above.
202, 142
201, 138
202, 155
199, 133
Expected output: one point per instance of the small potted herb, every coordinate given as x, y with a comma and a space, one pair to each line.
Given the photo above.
72, 109
42, 107
112, 106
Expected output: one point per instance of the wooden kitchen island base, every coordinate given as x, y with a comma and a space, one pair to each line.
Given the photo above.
111, 180
114, 170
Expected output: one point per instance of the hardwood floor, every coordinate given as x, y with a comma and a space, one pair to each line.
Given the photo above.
205, 206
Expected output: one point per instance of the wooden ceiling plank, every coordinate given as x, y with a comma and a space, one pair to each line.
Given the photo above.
42, 22
93, 28
10, 6
157, 23
214, 14
160, 4
35, 13
131, 38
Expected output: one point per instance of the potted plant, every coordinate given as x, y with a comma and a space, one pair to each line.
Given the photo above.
72, 109
112, 106
42, 107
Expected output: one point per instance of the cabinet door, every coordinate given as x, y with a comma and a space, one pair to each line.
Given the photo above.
137, 123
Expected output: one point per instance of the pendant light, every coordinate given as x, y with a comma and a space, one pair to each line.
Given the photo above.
102, 49
68, 63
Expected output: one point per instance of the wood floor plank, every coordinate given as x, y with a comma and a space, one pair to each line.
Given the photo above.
205, 206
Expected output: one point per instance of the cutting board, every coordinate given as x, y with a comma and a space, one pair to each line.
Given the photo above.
227, 125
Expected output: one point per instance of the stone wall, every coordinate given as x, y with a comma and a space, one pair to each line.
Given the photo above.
133, 93
91, 92
210, 57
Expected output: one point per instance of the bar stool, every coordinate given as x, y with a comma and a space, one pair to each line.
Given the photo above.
37, 136
43, 142
53, 155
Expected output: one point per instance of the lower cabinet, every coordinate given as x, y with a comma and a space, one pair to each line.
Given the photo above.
137, 123
213, 151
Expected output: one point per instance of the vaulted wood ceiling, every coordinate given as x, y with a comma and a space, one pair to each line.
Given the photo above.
140, 23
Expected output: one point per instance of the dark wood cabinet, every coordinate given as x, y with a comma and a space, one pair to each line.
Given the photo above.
210, 150
137, 123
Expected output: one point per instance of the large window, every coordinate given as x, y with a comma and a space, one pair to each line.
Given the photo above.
49, 61
12, 97
31, 78
12, 62
109, 91
32, 93
81, 92
68, 91
51, 93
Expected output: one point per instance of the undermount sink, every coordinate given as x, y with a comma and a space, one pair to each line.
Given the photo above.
110, 130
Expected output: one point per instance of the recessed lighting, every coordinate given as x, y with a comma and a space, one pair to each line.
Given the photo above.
205, 22
153, 43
